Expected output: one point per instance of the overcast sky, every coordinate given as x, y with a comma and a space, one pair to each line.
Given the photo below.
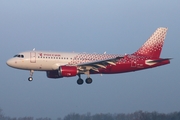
114, 26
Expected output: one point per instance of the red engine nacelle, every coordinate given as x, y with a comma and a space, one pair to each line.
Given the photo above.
64, 71
68, 71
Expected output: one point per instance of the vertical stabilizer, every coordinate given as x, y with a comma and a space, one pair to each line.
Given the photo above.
153, 46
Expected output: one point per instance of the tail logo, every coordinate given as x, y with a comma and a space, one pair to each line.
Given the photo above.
153, 46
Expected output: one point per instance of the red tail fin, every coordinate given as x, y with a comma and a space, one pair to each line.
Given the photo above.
153, 46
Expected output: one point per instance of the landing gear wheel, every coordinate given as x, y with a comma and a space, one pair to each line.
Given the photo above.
31, 74
88, 80
30, 78
80, 81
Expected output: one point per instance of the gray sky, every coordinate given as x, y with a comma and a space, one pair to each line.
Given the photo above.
114, 26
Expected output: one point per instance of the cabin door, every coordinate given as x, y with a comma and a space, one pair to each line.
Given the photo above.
33, 57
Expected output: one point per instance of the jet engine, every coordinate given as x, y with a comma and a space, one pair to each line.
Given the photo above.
68, 71
64, 71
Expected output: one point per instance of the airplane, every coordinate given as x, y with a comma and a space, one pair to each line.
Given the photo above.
64, 64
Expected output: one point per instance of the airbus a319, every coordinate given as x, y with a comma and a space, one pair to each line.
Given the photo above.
64, 64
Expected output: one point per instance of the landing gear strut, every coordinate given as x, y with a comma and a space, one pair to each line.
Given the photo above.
31, 74
80, 81
88, 79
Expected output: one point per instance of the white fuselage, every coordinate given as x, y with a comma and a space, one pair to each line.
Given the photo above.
45, 61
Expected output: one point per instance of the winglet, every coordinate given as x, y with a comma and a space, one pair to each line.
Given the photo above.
153, 46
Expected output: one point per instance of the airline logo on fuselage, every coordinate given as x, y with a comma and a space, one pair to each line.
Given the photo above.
49, 55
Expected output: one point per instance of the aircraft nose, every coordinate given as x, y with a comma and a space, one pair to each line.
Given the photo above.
10, 62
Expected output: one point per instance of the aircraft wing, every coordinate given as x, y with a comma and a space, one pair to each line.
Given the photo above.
98, 64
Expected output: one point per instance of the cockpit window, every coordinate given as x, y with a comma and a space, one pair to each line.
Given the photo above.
20, 56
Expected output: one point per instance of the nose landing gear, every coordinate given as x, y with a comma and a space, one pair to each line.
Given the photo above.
30, 78
31, 74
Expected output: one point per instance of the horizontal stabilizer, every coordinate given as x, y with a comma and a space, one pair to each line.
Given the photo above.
159, 60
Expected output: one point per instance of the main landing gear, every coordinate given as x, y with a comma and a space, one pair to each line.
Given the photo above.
31, 74
80, 81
